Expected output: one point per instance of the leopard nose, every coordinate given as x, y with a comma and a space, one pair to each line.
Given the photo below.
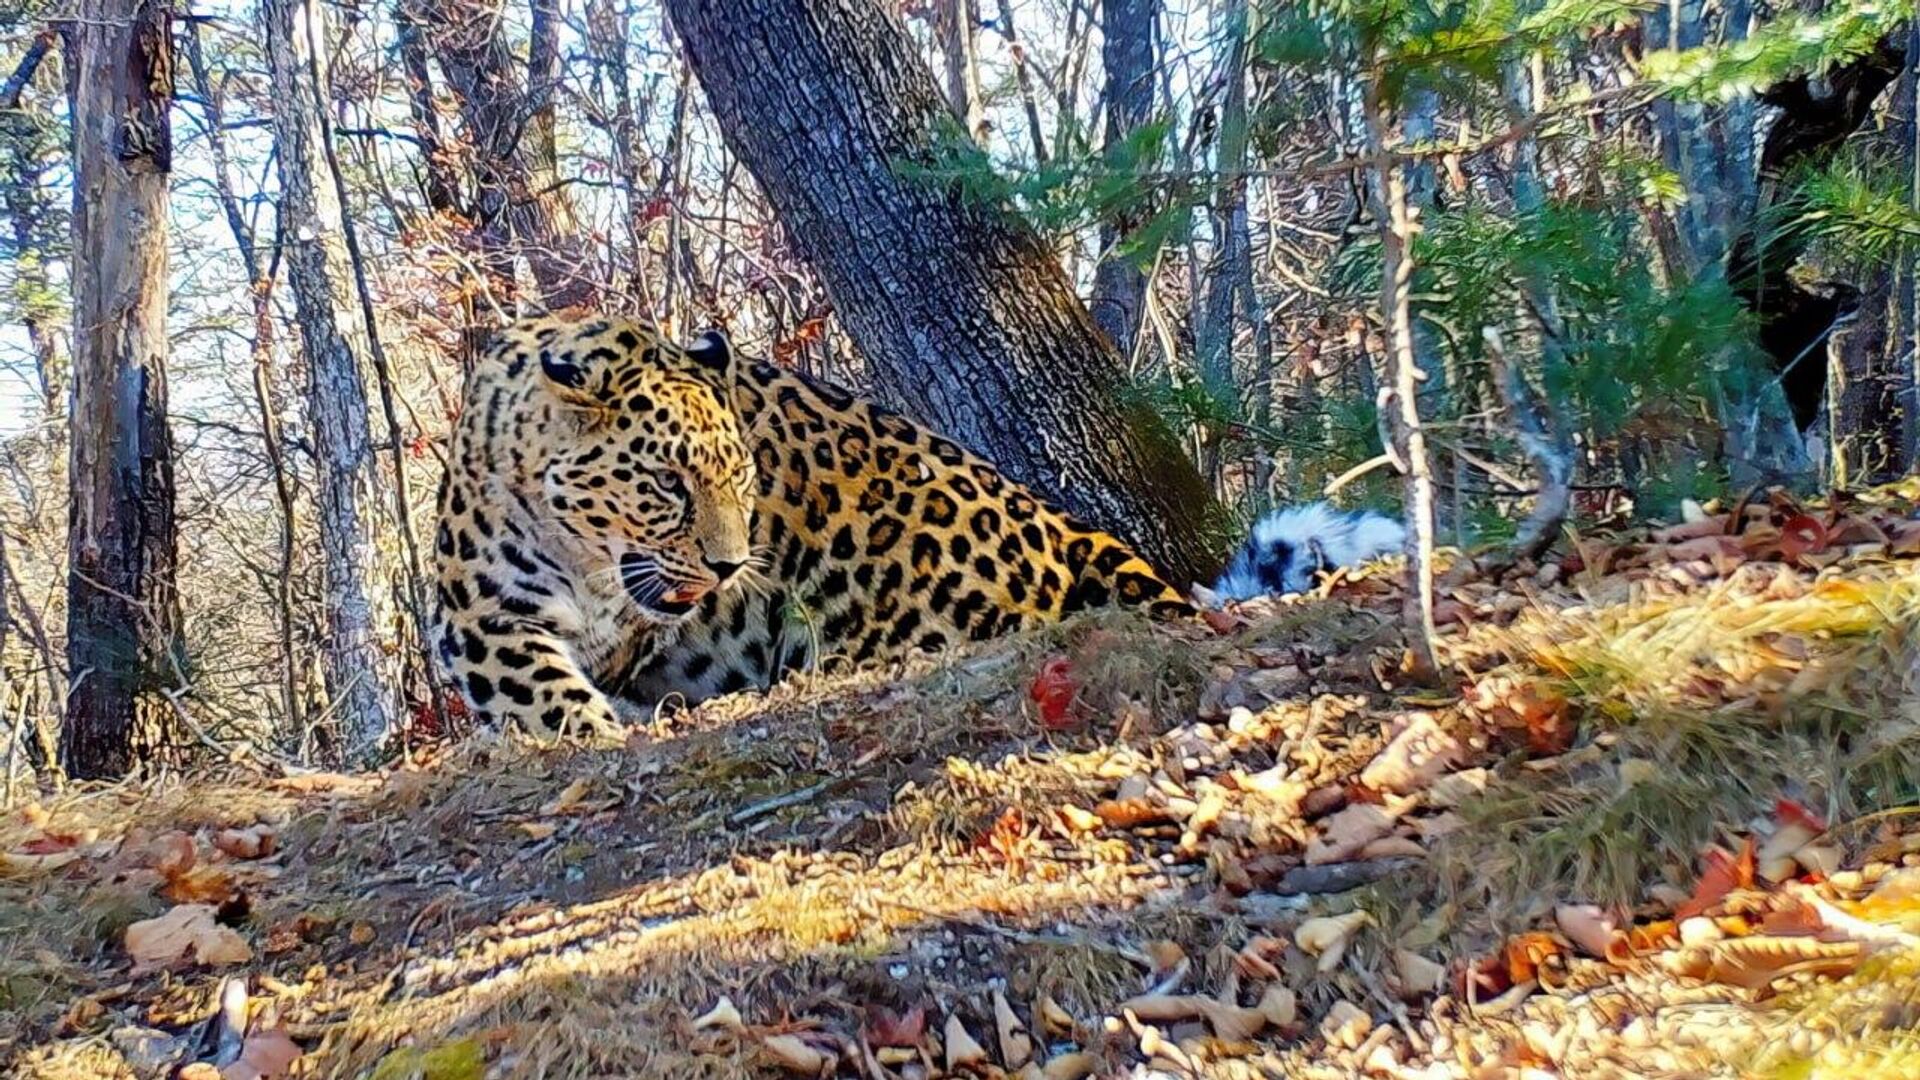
722, 569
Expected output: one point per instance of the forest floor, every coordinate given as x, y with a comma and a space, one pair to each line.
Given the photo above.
1658, 822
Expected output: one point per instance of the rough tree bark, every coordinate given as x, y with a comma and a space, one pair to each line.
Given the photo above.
1128, 48
123, 616
359, 674
962, 314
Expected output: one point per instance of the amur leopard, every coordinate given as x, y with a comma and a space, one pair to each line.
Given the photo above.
622, 516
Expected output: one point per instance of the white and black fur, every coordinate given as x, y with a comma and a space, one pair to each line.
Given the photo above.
1288, 547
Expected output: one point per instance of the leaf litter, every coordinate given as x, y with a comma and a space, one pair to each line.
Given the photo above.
1662, 826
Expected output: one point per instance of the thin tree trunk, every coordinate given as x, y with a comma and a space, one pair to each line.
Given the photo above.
28, 210
959, 45
1024, 79
415, 595
509, 125
1128, 50
962, 313
1545, 432
123, 615
1908, 292
441, 189
357, 672
607, 27
260, 291
1230, 236
1395, 222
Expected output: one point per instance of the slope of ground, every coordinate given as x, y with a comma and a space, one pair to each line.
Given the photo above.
1656, 825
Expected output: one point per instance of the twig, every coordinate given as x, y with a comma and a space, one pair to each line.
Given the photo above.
1022, 937
13, 747
781, 802
1547, 440
1355, 473
1339, 877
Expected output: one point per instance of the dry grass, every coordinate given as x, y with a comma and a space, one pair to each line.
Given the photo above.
1708, 706
884, 838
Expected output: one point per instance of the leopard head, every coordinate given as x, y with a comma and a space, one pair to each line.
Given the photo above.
648, 464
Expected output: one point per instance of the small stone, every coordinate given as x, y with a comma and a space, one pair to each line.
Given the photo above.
1699, 930
148, 1051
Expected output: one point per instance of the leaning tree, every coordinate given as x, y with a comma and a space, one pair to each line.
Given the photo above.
963, 315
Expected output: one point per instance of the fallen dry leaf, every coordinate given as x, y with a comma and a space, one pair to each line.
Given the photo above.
264, 1056
253, 842
1132, 813
1754, 963
1073, 1065
795, 1054
1346, 1025
723, 1015
187, 934
16, 864
1326, 937
1419, 976
1016, 1046
1418, 754
907, 1029
1591, 930
1720, 874
1344, 834
571, 798
1535, 957
201, 885
1279, 1005
173, 854
963, 1050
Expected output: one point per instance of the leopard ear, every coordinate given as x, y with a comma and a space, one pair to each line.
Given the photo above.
577, 376
712, 350
563, 369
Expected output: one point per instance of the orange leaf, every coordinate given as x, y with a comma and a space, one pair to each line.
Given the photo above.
1721, 874
1527, 954
1008, 836
207, 885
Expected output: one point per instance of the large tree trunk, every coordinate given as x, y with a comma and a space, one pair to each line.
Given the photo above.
359, 673
123, 616
962, 314
1127, 50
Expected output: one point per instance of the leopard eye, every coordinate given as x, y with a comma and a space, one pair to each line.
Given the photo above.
669, 480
